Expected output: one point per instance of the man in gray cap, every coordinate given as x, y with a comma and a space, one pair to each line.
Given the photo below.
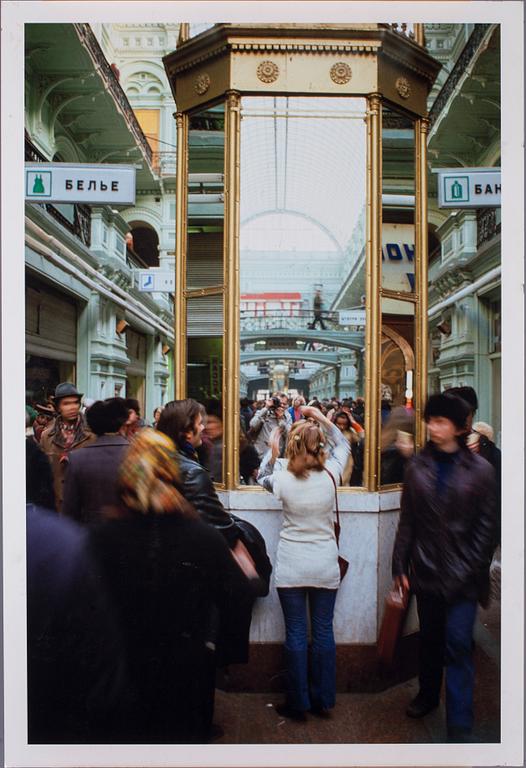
67, 433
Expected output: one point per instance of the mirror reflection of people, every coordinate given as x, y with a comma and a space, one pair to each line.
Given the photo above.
443, 550
157, 415
273, 414
343, 422
396, 445
317, 307
306, 569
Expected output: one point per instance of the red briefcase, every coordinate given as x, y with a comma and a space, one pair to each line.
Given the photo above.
395, 611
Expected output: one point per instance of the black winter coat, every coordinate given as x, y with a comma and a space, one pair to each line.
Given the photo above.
166, 575
445, 544
199, 489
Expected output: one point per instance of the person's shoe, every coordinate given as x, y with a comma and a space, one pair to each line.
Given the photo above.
458, 735
321, 712
420, 707
284, 710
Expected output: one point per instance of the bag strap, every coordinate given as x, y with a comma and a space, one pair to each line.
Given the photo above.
335, 495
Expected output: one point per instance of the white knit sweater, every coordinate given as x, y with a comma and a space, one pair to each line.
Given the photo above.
307, 555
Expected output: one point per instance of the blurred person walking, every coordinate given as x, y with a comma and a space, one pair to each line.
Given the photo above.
442, 551
77, 686
306, 566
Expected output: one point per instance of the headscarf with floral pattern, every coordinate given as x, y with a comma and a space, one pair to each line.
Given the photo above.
149, 478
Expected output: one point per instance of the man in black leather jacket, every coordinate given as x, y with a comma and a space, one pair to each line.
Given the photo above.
443, 551
184, 422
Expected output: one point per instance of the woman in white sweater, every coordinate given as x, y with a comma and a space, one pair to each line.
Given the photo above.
306, 568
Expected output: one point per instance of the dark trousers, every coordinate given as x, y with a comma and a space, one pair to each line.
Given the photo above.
446, 638
320, 690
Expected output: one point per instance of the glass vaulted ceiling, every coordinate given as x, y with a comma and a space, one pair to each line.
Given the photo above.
300, 180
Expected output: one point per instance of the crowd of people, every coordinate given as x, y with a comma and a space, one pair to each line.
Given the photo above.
142, 588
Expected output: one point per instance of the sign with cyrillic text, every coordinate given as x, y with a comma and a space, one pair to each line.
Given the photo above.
352, 317
80, 183
468, 187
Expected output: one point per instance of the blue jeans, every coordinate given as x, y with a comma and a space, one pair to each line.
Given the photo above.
322, 689
446, 637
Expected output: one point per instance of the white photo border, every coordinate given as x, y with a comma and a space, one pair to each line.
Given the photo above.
509, 14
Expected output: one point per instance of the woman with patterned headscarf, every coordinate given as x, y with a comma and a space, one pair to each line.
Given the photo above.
167, 571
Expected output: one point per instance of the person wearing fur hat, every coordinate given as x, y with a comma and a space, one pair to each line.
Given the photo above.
67, 433
442, 552
478, 441
90, 487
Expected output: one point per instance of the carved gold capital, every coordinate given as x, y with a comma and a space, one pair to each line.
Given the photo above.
233, 100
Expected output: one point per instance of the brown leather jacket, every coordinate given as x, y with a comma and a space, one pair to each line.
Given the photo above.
52, 443
445, 541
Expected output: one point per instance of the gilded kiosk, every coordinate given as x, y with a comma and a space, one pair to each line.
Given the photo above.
301, 265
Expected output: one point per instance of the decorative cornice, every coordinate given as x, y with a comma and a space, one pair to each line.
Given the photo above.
451, 281
89, 41
458, 70
274, 48
120, 275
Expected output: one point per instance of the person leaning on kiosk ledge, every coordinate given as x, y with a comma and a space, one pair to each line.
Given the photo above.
442, 551
306, 569
184, 421
67, 433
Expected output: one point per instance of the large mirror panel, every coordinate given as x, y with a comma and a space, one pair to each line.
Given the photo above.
398, 202
397, 379
205, 374
204, 277
302, 264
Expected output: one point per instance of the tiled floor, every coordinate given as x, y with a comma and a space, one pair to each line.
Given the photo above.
369, 718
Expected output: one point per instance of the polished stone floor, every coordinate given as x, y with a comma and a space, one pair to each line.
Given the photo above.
370, 718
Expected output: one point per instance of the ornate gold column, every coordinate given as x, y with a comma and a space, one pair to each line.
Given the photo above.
421, 278
184, 33
419, 34
231, 296
181, 218
373, 319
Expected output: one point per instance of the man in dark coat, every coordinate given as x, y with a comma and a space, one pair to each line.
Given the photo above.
443, 550
77, 680
481, 444
67, 433
90, 487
